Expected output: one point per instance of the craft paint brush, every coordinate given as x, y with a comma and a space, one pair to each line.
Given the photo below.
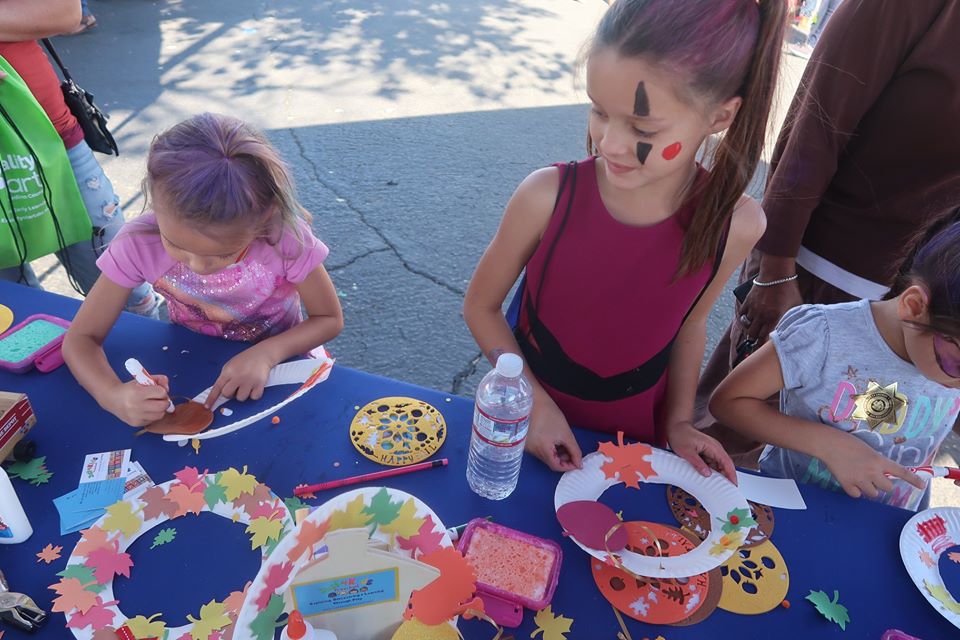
140, 374
366, 477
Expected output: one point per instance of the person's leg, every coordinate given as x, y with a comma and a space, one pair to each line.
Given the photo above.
27, 276
824, 12
103, 206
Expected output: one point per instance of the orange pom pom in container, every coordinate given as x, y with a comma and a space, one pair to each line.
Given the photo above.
514, 569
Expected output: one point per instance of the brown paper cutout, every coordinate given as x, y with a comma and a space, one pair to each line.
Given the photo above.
189, 418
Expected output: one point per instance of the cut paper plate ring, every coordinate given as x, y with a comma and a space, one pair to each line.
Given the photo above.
398, 431
925, 538
631, 464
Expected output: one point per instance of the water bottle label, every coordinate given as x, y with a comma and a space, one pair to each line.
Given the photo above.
5, 531
500, 433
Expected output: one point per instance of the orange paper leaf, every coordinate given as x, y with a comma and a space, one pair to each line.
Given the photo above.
72, 595
157, 504
629, 462
954, 556
91, 539
187, 501
49, 553
450, 594
308, 535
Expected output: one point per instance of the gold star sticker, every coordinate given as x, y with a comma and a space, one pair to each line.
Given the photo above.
880, 405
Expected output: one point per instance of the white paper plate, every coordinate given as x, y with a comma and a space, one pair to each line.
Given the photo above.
718, 495
932, 542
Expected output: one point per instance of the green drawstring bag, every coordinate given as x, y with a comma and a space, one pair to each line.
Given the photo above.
41, 209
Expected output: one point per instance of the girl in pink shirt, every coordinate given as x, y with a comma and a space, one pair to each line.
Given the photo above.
231, 250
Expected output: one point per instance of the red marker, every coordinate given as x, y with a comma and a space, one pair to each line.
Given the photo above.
951, 473
376, 475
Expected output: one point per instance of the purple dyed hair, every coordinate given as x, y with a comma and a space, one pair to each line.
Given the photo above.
217, 171
717, 49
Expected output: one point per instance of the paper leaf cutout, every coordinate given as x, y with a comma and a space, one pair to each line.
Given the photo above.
269, 510
425, 540
954, 556
264, 625
553, 627
107, 633
629, 462
72, 595
593, 524
85, 575
214, 494
738, 519
142, 627
382, 509
276, 576
262, 530
941, 595
213, 616
191, 478
107, 562
449, 595
352, 517
308, 496
234, 601
237, 483
98, 616
308, 535
727, 542
90, 539
123, 519
250, 502
294, 504
832, 610
49, 553
187, 501
34, 471
164, 536
927, 559
156, 504
406, 523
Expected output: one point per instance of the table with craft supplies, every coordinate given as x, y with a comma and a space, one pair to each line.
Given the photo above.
836, 544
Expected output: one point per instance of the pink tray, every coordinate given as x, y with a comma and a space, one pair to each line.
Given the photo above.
46, 357
504, 607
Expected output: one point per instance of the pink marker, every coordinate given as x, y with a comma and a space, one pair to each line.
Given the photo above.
140, 374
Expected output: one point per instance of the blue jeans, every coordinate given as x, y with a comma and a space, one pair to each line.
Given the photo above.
84, 8
824, 11
103, 206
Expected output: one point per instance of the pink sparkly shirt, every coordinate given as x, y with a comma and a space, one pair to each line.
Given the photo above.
248, 301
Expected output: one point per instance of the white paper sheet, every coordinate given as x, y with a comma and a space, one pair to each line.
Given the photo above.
780, 493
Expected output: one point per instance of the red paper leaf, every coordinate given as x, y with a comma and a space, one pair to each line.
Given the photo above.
272, 510
90, 539
593, 524
107, 562
249, 502
156, 504
424, 541
308, 535
276, 576
630, 461
187, 501
98, 616
72, 595
191, 478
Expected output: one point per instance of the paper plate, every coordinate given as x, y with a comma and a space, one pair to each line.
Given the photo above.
6, 317
398, 431
720, 498
923, 539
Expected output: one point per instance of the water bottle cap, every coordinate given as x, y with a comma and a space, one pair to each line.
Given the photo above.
509, 365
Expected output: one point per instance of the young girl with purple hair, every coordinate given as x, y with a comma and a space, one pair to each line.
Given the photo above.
229, 247
867, 389
626, 252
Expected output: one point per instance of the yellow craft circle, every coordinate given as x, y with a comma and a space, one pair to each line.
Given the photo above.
6, 318
755, 580
416, 630
398, 431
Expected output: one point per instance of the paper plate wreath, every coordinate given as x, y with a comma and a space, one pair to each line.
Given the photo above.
631, 464
924, 539
85, 590
398, 431
394, 519
306, 373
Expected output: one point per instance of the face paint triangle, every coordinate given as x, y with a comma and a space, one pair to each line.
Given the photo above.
641, 104
643, 150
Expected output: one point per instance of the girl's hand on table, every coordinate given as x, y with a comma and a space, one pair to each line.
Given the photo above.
243, 377
861, 470
700, 450
550, 438
139, 405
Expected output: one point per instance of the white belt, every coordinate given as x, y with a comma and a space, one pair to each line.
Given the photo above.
839, 277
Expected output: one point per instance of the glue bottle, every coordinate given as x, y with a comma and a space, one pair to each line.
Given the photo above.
14, 526
299, 629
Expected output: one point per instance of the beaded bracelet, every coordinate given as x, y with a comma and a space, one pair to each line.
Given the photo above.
774, 282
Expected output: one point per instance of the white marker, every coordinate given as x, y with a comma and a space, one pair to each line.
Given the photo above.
140, 374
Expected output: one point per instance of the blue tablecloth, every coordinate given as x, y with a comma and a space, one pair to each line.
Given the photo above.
838, 543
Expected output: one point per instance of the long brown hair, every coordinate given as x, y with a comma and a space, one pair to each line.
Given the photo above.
722, 48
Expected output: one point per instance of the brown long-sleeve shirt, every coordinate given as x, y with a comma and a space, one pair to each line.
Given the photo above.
871, 145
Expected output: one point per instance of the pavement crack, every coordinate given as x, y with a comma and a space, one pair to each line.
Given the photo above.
468, 370
355, 259
363, 218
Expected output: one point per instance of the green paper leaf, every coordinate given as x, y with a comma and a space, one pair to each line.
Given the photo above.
214, 494
33, 471
295, 504
744, 520
382, 510
85, 575
265, 624
832, 610
163, 537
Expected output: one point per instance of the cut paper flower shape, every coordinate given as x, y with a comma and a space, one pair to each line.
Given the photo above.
553, 627
832, 610
49, 553
593, 524
629, 463
738, 519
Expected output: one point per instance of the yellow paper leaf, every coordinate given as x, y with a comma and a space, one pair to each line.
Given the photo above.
122, 518
406, 523
237, 483
727, 542
142, 627
263, 529
941, 595
350, 518
213, 616
552, 627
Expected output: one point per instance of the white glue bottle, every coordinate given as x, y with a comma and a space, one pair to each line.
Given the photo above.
299, 629
14, 526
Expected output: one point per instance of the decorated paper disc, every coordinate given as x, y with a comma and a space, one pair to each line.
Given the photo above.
398, 431
691, 515
950, 570
755, 580
928, 547
659, 600
6, 318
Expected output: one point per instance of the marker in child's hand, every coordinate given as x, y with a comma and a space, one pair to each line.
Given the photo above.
140, 374
952, 473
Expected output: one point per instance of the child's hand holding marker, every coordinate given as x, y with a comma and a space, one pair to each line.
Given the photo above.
143, 400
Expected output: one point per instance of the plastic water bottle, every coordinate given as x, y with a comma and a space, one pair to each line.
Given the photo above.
14, 526
500, 422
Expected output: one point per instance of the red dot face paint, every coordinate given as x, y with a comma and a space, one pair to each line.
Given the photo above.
671, 151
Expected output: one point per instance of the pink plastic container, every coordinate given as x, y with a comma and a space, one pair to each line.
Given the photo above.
514, 569
34, 342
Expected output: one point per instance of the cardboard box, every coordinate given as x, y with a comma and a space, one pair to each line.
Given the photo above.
16, 421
